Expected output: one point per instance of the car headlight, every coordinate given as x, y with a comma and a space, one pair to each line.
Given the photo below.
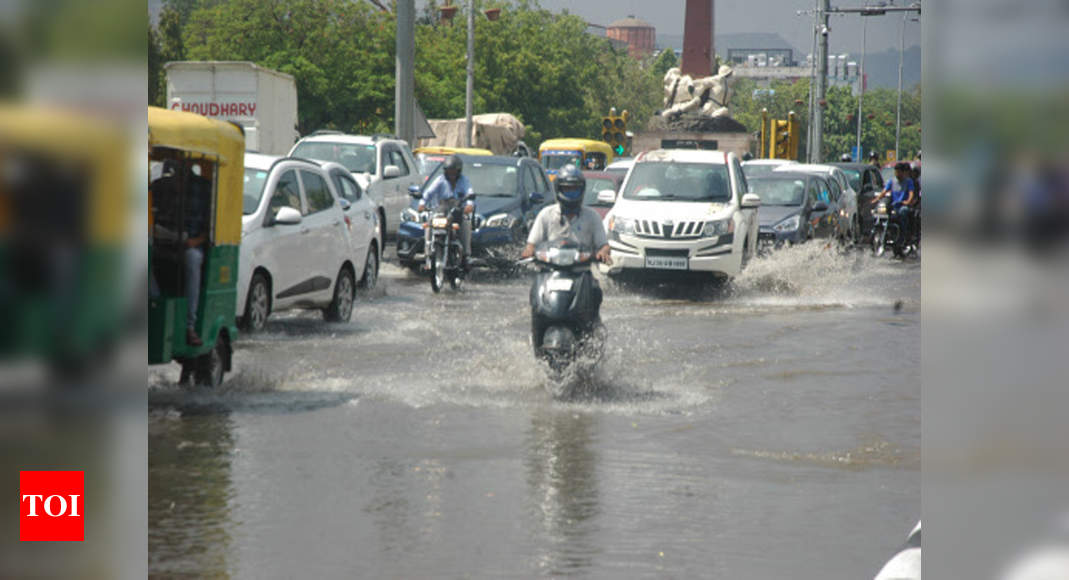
409, 215
718, 228
498, 220
621, 225
789, 225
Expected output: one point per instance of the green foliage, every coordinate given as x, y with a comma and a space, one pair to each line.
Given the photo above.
664, 61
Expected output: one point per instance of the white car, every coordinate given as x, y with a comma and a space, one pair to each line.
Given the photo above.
682, 210
761, 167
849, 226
299, 249
620, 165
382, 164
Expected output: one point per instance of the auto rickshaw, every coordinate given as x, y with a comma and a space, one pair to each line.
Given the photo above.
587, 154
64, 201
196, 172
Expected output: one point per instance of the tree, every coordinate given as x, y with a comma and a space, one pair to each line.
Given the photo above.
664, 61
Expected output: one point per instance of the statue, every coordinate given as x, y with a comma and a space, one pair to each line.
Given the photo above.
708, 96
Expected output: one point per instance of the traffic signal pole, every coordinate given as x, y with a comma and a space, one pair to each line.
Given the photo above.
816, 112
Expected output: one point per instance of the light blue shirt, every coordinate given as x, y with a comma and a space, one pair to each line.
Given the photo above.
439, 191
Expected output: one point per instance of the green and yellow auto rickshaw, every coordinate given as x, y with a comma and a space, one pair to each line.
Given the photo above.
196, 172
64, 201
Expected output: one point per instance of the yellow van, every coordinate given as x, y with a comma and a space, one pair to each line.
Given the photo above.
588, 154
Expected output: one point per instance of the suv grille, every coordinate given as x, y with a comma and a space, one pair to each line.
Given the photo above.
668, 229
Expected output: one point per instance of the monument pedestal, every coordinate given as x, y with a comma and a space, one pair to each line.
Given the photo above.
693, 132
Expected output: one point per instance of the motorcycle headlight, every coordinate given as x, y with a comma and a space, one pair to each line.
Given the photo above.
621, 225
498, 220
789, 225
881, 209
409, 215
716, 228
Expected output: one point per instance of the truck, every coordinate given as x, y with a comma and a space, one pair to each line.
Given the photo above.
261, 100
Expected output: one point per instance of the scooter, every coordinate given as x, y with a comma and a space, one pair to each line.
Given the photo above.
566, 324
444, 248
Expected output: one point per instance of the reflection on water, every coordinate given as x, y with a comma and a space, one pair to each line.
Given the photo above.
563, 487
189, 490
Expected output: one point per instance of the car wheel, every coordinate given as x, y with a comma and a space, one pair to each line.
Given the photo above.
341, 308
257, 305
371, 270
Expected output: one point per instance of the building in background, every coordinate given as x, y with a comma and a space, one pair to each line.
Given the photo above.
638, 34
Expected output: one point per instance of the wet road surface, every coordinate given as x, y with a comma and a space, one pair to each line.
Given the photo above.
771, 430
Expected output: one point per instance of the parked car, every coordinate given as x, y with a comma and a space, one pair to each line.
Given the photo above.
382, 164
792, 209
682, 210
509, 192
761, 167
840, 193
867, 181
297, 243
596, 182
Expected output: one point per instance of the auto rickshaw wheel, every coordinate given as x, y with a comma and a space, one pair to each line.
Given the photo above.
210, 368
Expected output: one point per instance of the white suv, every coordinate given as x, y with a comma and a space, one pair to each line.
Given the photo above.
299, 248
684, 210
383, 166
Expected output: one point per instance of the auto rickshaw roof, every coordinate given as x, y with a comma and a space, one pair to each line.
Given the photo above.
575, 144
60, 131
194, 133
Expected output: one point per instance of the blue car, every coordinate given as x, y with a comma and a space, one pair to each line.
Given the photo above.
509, 193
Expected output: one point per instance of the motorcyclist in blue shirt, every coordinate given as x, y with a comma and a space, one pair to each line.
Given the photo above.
445, 192
903, 195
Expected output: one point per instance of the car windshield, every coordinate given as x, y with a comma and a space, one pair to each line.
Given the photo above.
556, 161
354, 156
779, 190
255, 179
854, 177
487, 180
594, 185
660, 180
428, 163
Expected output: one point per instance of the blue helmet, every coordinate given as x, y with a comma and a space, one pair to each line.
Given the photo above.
570, 186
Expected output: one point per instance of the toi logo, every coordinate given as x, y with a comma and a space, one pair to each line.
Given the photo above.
51, 506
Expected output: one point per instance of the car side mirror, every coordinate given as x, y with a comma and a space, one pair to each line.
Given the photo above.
537, 197
413, 191
607, 196
820, 206
751, 201
344, 203
391, 171
287, 216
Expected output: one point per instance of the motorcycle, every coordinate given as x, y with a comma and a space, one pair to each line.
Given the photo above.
885, 231
566, 324
444, 248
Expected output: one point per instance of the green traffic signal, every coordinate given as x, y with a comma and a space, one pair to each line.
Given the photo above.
619, 149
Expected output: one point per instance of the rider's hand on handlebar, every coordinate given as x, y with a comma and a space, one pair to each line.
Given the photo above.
604, 256
528, 251
422, 207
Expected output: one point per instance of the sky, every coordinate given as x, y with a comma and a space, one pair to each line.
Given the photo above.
735, 16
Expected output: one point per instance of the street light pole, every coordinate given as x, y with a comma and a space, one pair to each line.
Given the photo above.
471, 73
861, 86
898, 113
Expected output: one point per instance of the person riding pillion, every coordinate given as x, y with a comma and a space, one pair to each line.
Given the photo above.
446, 191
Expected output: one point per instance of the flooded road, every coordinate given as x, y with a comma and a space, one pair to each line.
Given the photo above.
768, 431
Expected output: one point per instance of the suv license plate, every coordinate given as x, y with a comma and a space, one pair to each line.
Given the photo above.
666, 262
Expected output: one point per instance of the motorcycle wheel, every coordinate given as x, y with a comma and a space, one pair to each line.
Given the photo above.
894, 234
877, 241
438, 269
455, 272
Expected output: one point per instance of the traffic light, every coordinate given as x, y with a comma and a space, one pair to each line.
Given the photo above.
795, 136
779, 140
606, 128
619, 134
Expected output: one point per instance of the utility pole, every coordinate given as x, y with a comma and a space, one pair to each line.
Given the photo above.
898, 114
861, 87
816, 113
468, 106
404, 104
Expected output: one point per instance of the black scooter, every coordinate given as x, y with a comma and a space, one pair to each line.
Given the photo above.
566, 327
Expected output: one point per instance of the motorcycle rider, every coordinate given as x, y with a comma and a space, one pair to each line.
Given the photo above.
445, 192
903, 195
570, 219
874, 159
846, 158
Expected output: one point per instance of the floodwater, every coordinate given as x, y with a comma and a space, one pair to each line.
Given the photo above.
770, 430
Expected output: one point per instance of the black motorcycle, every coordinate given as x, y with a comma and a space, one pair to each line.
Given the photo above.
566, 324
885, 231
445, 250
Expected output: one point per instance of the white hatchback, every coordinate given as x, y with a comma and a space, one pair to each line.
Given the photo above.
682, 210
297, 243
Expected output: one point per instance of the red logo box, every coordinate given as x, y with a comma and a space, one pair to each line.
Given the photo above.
51, 506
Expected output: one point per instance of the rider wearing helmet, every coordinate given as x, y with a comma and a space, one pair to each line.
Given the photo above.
569, 218
846, 158
874, 159
446, 191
